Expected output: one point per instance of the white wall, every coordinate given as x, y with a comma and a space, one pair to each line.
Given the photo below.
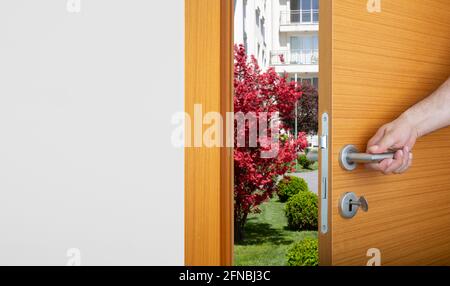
86, 161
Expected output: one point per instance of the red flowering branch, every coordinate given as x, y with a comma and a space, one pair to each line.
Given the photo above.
261, 93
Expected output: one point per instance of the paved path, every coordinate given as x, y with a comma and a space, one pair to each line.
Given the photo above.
312, 178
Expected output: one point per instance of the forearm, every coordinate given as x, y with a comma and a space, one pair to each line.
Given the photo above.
432, 113
401, 134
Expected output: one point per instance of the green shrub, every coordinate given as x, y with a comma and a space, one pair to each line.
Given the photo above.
290, 186
302, 211
304, 161
304, 253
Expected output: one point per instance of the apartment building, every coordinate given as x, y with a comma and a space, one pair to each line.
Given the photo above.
295, 48
282, 34
252, 27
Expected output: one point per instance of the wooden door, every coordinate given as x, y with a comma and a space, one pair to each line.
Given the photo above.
375, 62
208, 171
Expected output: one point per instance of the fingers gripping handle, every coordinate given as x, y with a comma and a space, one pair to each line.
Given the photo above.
349, 157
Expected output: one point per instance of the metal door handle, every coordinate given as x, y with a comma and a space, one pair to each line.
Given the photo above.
349, 157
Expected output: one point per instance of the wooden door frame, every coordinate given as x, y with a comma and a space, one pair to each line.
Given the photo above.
208, 171
325, 106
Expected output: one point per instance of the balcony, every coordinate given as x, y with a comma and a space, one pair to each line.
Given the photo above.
295, 57
295, 61
299, 17
299, 20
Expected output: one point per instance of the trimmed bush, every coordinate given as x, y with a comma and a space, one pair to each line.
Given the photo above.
302, 211
304, 253
290, 186
303, 161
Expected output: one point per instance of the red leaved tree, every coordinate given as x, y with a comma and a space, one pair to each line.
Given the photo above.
307, 111
260, 93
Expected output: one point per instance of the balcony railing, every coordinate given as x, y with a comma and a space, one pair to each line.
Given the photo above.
297, 17
295, 57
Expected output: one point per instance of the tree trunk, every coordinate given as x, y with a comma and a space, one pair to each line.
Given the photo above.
239, 224
238, 232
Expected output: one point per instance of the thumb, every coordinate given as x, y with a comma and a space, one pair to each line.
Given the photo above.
383, 145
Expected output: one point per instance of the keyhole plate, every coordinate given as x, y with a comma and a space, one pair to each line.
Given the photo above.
345, 208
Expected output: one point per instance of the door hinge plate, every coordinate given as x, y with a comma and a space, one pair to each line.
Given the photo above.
324, 194
323, 144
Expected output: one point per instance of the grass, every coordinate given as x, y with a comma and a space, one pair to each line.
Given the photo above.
313, 167
266, 237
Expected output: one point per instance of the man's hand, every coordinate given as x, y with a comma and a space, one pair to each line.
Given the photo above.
429, 115
400, 136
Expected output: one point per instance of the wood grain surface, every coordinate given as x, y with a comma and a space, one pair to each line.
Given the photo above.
373, 66
208, 171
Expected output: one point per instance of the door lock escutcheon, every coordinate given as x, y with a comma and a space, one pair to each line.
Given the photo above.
350, 204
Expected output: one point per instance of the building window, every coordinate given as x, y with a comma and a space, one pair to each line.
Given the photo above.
246, 41
257, 14
258, 50
263, 30
295, 11
304, 50
315, 11
306, 11
264, 58
301, 12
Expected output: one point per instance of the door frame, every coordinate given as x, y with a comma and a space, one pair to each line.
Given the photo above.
325, 106
208, 171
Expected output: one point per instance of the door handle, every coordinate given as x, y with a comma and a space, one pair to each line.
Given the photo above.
349, 158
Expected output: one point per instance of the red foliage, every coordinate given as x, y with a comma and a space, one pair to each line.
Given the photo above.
261, 92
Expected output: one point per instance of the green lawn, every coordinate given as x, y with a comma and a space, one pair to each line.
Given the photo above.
313, 167
266, 237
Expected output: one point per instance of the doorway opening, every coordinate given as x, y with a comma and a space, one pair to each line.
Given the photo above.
276, 67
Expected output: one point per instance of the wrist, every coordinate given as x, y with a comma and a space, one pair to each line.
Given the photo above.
412, 122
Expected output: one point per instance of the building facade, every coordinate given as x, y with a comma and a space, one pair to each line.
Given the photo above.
282, 34
252, 28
